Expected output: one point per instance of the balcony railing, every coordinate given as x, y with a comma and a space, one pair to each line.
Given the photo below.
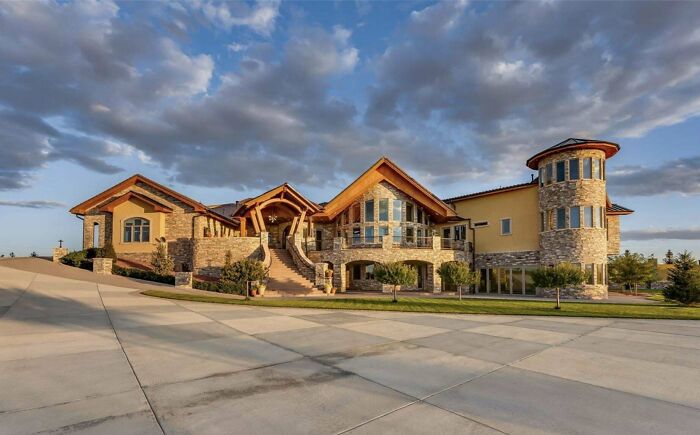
457, 245
362, 242
406, 242
412, 242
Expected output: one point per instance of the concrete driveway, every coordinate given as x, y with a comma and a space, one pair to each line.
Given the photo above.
84, 357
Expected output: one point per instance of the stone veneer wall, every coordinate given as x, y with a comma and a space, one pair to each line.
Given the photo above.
209, 253
613, 235
574, 245
507, 259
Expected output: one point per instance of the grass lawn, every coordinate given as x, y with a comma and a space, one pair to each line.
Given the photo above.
466, 306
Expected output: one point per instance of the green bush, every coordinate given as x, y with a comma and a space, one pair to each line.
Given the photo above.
146, 275
74, 258
242, 271
91, 252
219, 286
161, 261
395, 274
107, 252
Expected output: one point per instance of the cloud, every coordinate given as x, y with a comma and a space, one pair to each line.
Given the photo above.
675, 176
662, 234
519, 77
32, 204
260, 18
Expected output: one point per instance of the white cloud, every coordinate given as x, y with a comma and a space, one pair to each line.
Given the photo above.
260, 18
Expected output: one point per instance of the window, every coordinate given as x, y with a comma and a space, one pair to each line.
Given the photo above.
356, 213
505, 227
588, 217
573, 169
602, 217
587, 170
369, 271
369, 211
409, 235
419, 213
397, 234
541, 176
355, 235
397, 210
590, 272
356, 272
548, 177
383, 210
383, 231
575, 217
596, 169
446, 233
369, 234
561, 171
460, 232
409, 212
136, 230
542, 222
561, 218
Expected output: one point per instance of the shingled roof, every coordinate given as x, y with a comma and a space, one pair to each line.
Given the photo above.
492, 191
610, 149
618, 209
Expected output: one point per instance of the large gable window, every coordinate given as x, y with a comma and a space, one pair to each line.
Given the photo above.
137, 230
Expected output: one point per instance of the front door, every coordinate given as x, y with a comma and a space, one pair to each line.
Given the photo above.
285, 234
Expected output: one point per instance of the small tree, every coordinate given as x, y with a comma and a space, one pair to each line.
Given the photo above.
395, 274
558, 277
107, 251
458, 273
631, 269
669, 257
685, 280
243, 270
161, 262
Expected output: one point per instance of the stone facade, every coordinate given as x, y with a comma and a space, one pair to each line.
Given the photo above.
507, 259
584, 245
59, 253
613, 228
340, 257
209, 253
183, 279
102, 266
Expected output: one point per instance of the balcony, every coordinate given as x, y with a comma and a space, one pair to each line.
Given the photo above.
388, 242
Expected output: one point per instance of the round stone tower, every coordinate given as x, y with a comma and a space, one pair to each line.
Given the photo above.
572, 203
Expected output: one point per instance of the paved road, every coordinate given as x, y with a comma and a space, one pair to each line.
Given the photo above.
85, 357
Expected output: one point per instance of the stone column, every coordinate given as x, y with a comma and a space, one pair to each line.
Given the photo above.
437, 243
339, 277
434, 276
337, 243
59, 253
320, 274
387, 242
102, 266
183, 279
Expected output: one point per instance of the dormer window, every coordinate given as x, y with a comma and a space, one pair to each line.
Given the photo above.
137, 230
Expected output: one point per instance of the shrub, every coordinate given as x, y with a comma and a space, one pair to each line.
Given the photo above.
395, 274
631, 269
74, 258
107, 252
91, 252
161, 262
558, 277
219, 286
685, 280
146, 275
242, 271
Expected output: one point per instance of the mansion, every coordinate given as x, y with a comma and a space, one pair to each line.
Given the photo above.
563, 214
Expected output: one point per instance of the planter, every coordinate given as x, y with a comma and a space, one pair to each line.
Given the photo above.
261, 290
327, 288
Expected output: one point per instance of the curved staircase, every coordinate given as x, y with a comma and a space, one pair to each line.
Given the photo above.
284, 278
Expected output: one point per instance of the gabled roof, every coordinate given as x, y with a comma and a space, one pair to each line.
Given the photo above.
610, 149
282, 190
157, 206
386, 170
98, 199
493, 191
617, 209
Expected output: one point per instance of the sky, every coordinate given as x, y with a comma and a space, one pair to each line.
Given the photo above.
221, 101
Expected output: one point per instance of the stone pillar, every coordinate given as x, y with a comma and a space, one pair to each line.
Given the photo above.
320, 274
387, 242
337, 243
339, 277
59, 253
434, 276
264, 238
102, 266
437, 243
183, 279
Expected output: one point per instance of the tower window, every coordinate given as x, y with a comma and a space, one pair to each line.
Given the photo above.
561, 171
575, 217
561, 218
596, 169
549, 176
588, 216
574, 173
587, 168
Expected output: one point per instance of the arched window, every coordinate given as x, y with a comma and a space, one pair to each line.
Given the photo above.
137, 230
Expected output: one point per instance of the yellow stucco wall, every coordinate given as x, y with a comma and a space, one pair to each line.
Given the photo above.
131, 209
521, 206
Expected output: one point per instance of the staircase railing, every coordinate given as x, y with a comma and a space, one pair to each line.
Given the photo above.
301, 261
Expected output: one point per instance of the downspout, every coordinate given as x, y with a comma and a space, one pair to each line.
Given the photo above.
473, 231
